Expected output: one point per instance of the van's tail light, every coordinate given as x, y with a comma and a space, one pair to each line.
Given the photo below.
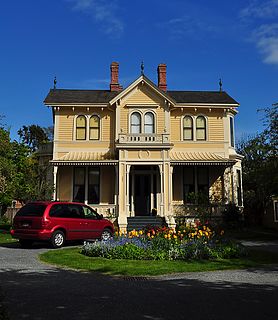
45, 222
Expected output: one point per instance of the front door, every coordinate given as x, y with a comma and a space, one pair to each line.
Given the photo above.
142, 190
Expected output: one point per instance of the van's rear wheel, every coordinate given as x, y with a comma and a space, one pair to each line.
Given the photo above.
58, 239
106, 234
25, 243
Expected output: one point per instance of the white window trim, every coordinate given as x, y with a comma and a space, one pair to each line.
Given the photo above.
206, 127
74, 127
142, 114
100, 131
193, 127
154, 120
87, 117
194, 118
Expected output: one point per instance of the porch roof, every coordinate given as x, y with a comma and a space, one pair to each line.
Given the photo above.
199, 158
86, 158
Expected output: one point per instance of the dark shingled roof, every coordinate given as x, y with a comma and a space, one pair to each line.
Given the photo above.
201, 97
104, 96
79, 96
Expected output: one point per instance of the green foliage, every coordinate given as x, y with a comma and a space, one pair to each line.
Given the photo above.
33, 136
22, 177
260, 166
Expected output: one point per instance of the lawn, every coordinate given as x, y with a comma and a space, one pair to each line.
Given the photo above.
72, 258
5, 237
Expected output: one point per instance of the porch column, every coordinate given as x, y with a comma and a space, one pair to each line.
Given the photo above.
122, 213
127, 190
161, 211
116, 193
54, 195
171, 189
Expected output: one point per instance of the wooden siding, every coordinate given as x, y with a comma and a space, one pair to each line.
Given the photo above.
65, 127
215, 128
66, 122
215, 123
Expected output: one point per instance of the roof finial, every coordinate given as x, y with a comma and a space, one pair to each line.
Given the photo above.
55, 83
220, 85
142, 68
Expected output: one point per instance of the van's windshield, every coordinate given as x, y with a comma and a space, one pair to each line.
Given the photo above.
32, 210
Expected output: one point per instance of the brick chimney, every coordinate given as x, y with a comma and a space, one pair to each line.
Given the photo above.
114, 84
161, 72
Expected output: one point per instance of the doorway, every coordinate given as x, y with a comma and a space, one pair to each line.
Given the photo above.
142, 194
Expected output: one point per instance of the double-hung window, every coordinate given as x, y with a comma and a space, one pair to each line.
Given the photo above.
81, 128
135, 122
149, 122
94, 128
200, 128
187, 128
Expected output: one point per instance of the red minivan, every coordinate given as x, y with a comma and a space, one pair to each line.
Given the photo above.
57, 222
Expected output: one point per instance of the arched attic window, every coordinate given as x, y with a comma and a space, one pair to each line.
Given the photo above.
94, 128
149, 122
201, 128
135, 125
81, 128
187, 128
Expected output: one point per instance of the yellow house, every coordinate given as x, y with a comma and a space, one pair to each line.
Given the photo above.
144, 149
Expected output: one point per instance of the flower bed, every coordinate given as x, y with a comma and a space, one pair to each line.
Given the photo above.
189, 242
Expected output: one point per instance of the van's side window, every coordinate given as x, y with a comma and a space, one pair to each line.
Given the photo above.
90, 213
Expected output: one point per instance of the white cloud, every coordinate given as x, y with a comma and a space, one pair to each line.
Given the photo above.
103, 12
260, 9
266, 39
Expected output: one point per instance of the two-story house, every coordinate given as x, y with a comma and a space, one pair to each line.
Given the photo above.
128, 151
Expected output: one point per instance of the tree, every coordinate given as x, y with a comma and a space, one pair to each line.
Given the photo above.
33, 136
6, 169
259, 166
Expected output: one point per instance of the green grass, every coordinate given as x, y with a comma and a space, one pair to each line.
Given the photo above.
72, 258
5, 237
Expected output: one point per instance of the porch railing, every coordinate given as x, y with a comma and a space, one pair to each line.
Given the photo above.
143, 138
108, 211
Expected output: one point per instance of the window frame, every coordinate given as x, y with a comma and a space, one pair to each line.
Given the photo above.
153, 122
136, 125
74, 199
201, 128
78, 127
191, 128
91, 127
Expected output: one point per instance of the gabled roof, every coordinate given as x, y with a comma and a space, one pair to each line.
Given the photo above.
215, 97
69, 96
79, 96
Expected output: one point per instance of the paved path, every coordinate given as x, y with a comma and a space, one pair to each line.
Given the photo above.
37, 291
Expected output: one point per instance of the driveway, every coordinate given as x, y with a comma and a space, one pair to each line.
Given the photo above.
37, 291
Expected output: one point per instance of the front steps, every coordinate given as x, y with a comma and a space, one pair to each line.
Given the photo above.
140, 222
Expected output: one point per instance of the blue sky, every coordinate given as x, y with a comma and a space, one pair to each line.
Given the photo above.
76, 40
